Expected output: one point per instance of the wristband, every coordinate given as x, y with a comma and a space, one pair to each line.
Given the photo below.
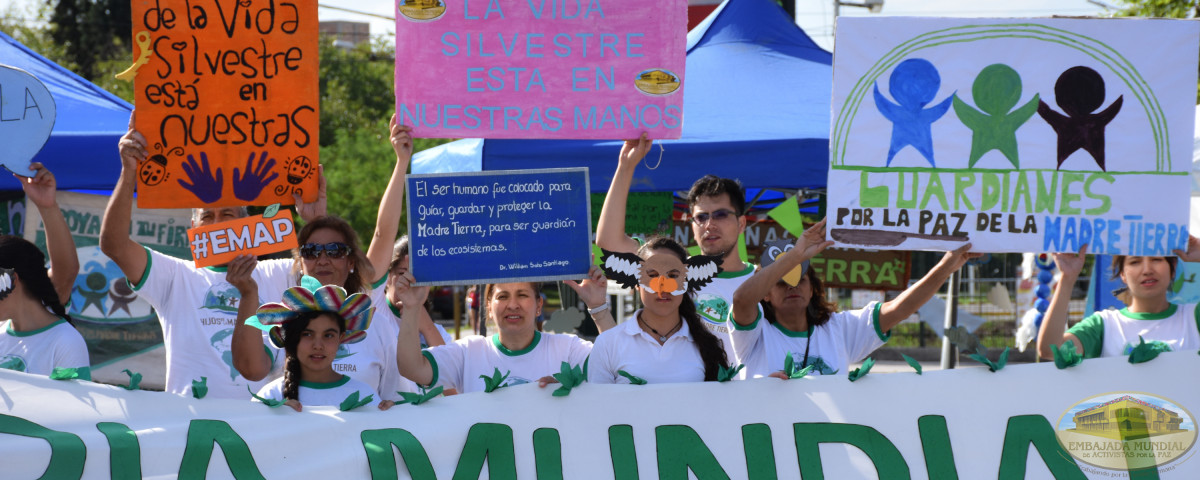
601, 308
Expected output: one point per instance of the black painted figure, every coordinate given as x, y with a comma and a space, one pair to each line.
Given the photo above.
1079, 91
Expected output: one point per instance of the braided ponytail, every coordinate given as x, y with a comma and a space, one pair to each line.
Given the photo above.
30, 265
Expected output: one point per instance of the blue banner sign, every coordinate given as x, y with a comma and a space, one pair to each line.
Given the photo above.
500, 226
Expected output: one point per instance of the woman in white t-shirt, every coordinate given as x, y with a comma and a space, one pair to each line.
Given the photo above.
35, 333
801, 323
312, 322
1148, 315
667, 341
519, 352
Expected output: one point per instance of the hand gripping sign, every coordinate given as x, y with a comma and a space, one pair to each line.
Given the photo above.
257, 235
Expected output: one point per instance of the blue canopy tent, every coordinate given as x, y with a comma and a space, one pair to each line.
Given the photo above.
756, 108
82, 149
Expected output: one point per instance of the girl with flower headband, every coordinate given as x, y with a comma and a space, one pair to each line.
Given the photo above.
310, 323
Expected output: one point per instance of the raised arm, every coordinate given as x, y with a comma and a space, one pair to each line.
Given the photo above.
1054, 323
249, 357
387, 223
409, 360
755, 288
64, 261
114, 231
610, 231
910, 300
594, 293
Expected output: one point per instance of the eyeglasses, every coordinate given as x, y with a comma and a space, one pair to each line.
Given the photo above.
332, 250
717, 216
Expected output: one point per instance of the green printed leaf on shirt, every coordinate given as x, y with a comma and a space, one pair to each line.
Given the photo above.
992, 366
64, 373
270, 402
352, 402
200, 388
632, 379
134, 380
1066, 356
912, 362
1145, 352
863, 370
727, 374
419, 398
494, 382
568, 377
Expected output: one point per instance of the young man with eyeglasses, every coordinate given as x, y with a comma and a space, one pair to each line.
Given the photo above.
717, 207
198, 308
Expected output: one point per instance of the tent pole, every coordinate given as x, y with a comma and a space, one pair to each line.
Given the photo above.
949, 350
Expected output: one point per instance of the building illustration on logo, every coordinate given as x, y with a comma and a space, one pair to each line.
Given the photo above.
421, 10
1129, 417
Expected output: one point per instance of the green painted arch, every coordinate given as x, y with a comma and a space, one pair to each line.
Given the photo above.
1096, 49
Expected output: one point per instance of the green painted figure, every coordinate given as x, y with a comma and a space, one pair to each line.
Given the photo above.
996, 90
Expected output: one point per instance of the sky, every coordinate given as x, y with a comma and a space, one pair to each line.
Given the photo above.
814, 16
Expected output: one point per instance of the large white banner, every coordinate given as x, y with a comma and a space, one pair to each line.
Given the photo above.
1024, 421
1016, 135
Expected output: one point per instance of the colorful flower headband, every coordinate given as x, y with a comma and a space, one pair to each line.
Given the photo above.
311, 296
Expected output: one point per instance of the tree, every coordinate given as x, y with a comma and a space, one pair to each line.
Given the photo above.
1164, 9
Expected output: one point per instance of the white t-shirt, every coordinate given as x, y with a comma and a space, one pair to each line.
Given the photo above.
627, 347
1111, 332
373, 360
714, 303
848, 337
197, 309
41, 350
458, 365
332, 394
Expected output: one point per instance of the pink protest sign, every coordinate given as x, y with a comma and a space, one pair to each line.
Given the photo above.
585, 69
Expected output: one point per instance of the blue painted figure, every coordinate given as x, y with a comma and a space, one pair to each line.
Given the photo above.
914, 83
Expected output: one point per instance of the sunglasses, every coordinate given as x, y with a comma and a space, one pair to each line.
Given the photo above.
717, 216
333, 250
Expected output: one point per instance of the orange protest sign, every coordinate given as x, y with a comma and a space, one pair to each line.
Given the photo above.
218, 244
226, 96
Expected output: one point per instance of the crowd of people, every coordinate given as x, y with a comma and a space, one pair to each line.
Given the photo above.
335, 320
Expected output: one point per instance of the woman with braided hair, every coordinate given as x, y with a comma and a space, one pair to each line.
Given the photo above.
35, 333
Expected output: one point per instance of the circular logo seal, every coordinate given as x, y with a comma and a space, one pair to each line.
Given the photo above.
1127, 431
421, 10
657, 81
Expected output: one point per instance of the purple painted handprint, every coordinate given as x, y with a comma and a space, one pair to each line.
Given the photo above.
205, 185
247, 187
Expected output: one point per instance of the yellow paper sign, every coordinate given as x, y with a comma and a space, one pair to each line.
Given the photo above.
218, 244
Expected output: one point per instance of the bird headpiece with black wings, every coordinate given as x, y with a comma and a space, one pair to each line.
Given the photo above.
629, 270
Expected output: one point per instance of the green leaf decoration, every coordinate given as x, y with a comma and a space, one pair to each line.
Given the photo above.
1066, 356
727, 374
789, 364
1145, 352
271, 210
863, 370
992, 366
419, 398
494, 382
912, 362
568, 377
352, 402
632, 379
801, 373
134, 380
270, 402
200, 388
965, 340
64, 373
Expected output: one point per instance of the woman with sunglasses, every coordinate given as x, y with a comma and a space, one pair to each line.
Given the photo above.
330, 252
801, 323
518, 351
